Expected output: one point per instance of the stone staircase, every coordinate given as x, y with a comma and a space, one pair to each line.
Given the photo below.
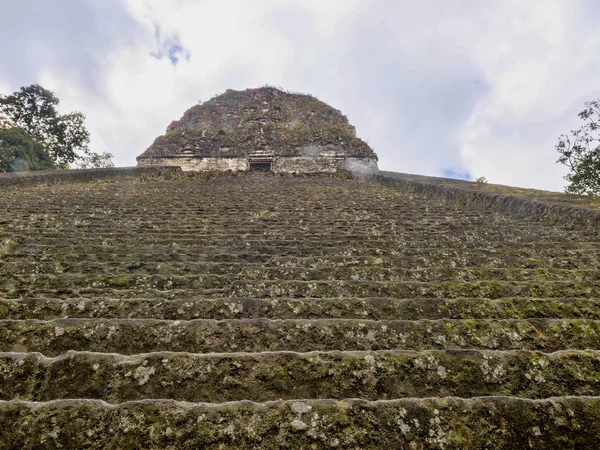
257, 311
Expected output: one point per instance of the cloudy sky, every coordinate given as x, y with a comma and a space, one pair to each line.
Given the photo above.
461, 88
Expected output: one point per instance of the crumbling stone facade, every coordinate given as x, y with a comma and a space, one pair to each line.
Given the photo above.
263, 129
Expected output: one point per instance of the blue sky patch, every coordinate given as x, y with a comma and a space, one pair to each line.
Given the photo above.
457, 175
169, 47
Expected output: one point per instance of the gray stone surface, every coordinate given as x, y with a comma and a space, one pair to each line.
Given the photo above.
289, 132
171, 309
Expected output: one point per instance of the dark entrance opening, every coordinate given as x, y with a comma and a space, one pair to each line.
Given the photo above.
260, 166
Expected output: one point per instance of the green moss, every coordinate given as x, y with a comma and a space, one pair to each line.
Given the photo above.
379, 278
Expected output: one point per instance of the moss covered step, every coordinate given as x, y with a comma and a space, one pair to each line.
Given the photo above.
434, 423
168, 280
273, 241
113, 255
384, 308
464, 261
283, 375
310, 231
117, 281
180, 218
318, 289
292, 288
131, 336
267, 244
20, 267
125, 293
381, 214
318, 231
255, 238
251, 255
133, 253
443, 289
181, 263
421, 274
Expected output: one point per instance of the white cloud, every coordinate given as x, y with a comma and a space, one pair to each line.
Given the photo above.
483, 88
533, 54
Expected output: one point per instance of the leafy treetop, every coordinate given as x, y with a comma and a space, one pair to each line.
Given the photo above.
19, 151
34, 109
580, 152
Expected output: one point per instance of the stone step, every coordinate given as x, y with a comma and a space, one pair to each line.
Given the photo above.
18, 266
271, 241
92, 293
383, 308
404, 215
251, 201
131, 336
172, 287
442, 289
421, 274
467, 260
432, 423
118, 281
218, 378
131, 253
98, 210
50, 274
317, 231
227, 263
312, 230
134, 253
160, 255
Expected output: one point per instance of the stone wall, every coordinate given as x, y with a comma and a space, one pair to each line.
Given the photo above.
307, 164
198, 164
299, 164
522, 205
79, 175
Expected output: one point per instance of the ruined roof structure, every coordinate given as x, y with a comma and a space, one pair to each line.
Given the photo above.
262, 129
154, 308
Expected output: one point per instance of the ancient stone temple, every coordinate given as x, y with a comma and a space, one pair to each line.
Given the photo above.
158, 309
262, 129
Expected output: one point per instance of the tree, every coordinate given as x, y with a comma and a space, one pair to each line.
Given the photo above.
19, 152
96, 161
34, 109
580, 152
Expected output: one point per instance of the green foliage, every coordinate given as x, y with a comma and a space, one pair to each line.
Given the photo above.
580, 152
20, 152
34, 109
96, 161
481, 180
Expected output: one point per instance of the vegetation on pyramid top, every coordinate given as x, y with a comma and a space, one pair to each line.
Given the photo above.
237, 123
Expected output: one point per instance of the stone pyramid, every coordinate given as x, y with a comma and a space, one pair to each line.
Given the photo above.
264, 129
154, 308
